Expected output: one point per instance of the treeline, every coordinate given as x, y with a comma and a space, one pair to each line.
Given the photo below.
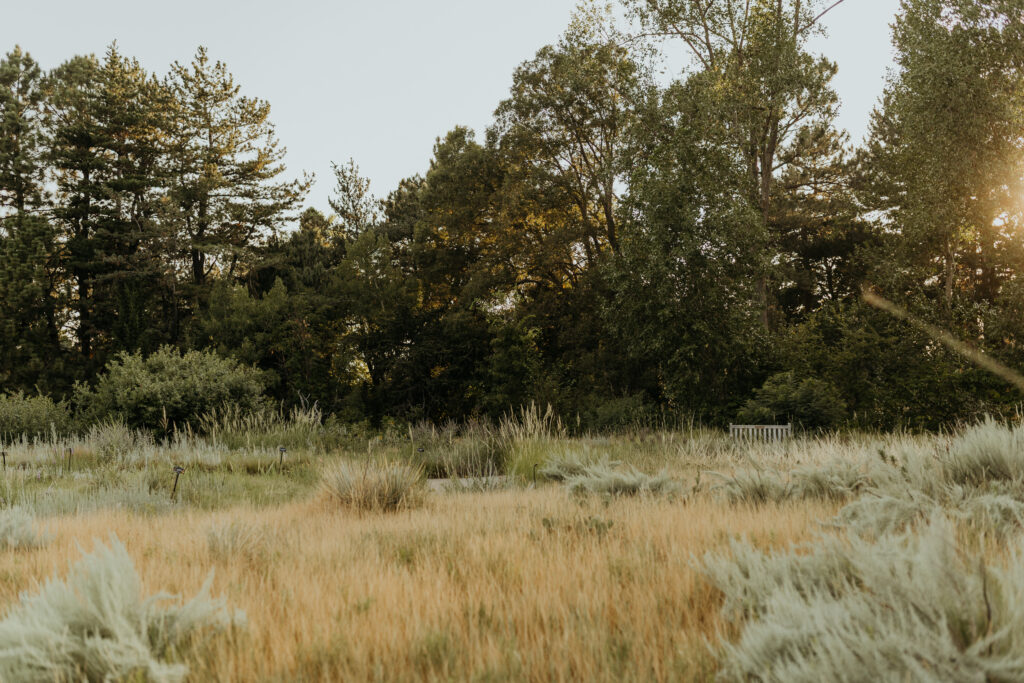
611, 245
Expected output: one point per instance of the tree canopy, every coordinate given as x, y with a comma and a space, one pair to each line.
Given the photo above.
618, 244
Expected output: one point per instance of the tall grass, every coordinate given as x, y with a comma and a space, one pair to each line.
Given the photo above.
471, 587
472, 449
379, 486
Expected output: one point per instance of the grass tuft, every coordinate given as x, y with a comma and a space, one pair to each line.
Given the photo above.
379, 486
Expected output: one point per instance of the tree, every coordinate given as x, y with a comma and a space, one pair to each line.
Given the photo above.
945, 161
684, 315
108, 122
761, 92
31, 293
22, 142
564, 130
356, 208
225, 161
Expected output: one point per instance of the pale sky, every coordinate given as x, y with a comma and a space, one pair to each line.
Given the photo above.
378, 81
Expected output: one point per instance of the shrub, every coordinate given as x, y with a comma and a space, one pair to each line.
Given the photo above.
112, 439
909, 607
601, 478
877, 514
754, 486
986, 452
167, 389
96, 626
382, 485
571, 464
811, 403
32, 417
18, 530
836, 481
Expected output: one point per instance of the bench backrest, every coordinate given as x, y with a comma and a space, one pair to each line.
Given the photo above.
761, 432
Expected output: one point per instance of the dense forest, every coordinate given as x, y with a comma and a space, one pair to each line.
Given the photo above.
617, 244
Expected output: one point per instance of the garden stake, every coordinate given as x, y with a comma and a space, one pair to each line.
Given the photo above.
178, 469
280, 462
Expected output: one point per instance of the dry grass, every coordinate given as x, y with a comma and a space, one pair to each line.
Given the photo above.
524, 585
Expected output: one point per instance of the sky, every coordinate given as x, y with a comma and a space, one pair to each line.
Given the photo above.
379, 80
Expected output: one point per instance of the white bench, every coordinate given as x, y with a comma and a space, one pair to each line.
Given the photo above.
761, 432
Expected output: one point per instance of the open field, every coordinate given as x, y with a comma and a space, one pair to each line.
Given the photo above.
489, 586
529, 581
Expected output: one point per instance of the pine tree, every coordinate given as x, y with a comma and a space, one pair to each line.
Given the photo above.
225, 161
109, 123
31, 315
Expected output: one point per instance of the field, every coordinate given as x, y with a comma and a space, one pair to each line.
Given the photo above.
581, 568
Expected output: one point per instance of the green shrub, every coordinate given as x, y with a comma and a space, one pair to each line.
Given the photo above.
379, 486
96, 626
167, 389
32, 417
811, 403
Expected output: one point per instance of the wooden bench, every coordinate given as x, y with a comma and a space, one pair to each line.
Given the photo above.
761, 432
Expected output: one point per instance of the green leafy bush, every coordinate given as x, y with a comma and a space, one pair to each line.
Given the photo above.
811, 403
167, 389
32, 417
96, 626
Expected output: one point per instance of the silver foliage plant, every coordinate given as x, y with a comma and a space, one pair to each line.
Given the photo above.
629, 481
96, 625
18, 530
907, 606
893, 596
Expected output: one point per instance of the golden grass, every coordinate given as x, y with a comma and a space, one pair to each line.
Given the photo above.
524, 585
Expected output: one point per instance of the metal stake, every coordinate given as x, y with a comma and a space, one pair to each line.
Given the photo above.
178, 469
